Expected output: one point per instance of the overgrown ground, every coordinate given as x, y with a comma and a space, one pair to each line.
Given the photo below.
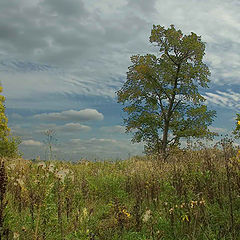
195, 195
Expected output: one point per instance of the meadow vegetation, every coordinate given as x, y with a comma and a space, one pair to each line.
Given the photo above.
193, 195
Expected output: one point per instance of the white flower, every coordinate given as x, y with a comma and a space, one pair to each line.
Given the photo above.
51, 168
20, 182
61, 174
147, 215
16, 235
11, 166
42, 165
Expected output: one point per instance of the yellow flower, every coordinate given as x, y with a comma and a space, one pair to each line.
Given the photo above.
193, 203
238, 122
182, 205
185, 217
202, 202
126, 213
85, 212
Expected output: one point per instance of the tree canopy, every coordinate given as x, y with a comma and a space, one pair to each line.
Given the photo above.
236, 131
161, 95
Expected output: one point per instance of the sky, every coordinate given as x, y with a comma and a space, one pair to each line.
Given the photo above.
62, 61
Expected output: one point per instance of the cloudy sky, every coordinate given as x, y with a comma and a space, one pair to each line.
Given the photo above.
62, 61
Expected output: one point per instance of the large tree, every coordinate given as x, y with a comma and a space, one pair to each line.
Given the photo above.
161, 94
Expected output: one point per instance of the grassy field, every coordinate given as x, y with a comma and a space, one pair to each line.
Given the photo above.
194, 195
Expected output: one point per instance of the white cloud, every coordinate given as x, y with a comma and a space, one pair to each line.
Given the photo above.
218, 130
218, 99
31, 142
102, 140
113, 129
71, 115
227, 99
72, 127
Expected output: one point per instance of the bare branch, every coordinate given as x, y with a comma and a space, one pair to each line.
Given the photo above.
176, 105
171, 58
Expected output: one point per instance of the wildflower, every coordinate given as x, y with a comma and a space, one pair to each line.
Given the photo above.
185, 218
126, 213
147, 216
85, 212
11, 166
51, 168
193, 203
61, 174
20, 182
36, 181
71, 177
171, 210
238, 122
182, 205
67, 171
202, 202
41, 165
16, 235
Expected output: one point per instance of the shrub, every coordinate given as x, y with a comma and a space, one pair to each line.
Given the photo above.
8, 143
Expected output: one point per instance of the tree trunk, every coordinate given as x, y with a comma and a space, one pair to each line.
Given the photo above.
169, 114
165, 138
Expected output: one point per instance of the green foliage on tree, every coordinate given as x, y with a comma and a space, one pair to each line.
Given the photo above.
8, 143
161, 94
236, 131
